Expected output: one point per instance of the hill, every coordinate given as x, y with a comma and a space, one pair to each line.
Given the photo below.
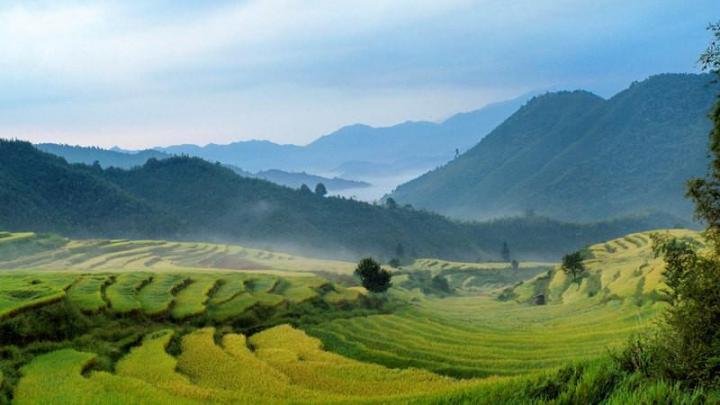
189, 198
104, 157
128, 159
578, 157
42, 192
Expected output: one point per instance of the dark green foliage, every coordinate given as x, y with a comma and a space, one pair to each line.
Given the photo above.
41, 192
101, 157
577, 157
321, 190
505, 252
391, 203
572, 264
688, 345
373, 277
710, 59
188, 198
305, 189
440, 283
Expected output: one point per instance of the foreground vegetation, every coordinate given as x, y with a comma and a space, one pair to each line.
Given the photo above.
162, 322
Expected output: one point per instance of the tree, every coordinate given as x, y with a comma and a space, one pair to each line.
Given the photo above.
505, 252
305, 189
686, 347
399, 251
573, 265
440, 283
373, 277
391, 203
515, 265
321, 190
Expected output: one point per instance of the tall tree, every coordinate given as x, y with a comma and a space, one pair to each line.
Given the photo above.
573, 265
321, 190
399, 251
705, 192
688, 345
505, 252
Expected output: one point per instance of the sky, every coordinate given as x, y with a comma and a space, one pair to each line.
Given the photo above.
138, 74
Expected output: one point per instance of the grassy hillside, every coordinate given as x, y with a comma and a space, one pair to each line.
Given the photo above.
501, 332
575, 156
49, 252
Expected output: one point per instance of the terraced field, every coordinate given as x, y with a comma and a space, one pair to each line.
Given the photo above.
284, 365
216, 296
484, 342
29, 250
480, 335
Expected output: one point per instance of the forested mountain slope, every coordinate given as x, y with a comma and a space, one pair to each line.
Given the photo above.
575, 156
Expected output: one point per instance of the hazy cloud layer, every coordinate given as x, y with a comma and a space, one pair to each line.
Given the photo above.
139, 73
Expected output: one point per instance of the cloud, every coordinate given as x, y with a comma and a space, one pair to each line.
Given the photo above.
291, 70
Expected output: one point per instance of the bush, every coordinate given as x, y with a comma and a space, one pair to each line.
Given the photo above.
374, 278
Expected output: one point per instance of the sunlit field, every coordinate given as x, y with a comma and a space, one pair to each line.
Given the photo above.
201, 334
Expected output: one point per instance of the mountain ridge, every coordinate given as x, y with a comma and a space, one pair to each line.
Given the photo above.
583, 159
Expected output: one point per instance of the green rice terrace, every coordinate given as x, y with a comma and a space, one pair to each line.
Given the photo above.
155, 322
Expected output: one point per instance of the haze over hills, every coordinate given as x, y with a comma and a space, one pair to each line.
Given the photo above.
105, 157
356, 151
189, 198
578, 157
126, 159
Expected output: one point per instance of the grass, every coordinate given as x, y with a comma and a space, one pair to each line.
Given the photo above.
56, 379
23, 291
478, 335
284, 365
86, 292
122, 294
213, 296
191, 300
29, 250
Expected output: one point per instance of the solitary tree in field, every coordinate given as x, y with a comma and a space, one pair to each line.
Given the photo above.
305, 189
573, 265
515, 265
505, 252
373, 277
321, 190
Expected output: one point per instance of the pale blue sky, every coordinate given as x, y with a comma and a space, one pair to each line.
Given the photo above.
144, 73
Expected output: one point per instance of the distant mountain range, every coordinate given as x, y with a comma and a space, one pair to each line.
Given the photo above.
128, 159
362, 152
578, 157
186, 198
